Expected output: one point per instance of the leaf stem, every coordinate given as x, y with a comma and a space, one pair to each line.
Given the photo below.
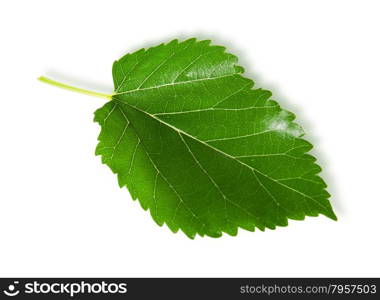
74, 89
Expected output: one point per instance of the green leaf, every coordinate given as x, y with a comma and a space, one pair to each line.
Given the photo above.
202, 149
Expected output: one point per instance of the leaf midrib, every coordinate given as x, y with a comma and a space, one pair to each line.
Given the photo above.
220, 151
181, 201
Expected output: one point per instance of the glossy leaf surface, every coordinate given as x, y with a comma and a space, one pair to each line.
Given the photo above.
201, 148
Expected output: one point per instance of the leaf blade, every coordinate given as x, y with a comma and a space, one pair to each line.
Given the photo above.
219, 155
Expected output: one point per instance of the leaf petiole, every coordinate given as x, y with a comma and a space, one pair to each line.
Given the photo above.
74, 89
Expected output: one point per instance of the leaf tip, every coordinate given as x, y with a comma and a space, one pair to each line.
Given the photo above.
333, 216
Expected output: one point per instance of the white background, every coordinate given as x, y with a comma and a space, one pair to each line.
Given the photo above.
61, 211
